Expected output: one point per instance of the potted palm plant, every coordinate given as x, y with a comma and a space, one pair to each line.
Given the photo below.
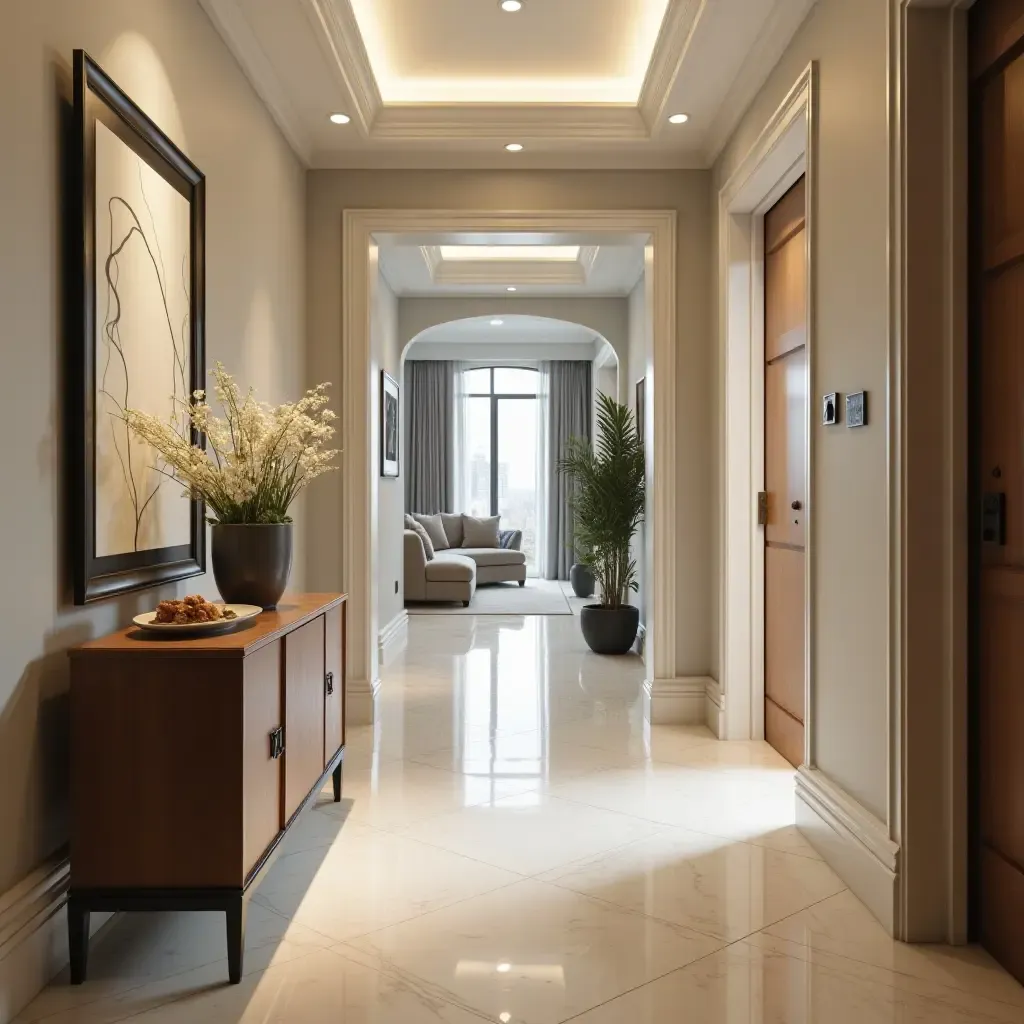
608, 506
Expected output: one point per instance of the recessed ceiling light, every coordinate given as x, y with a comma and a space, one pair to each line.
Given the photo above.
678, 118
497, 323
514, 147
504, 968
340, 118
511, 288
511, 5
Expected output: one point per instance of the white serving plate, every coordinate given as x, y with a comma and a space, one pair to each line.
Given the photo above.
242, 612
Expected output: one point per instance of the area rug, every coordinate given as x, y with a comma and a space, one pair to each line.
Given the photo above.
538, 597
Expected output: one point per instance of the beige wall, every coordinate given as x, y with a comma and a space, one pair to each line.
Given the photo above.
850, 352
635, 368
168, 57
330, 192
387, 355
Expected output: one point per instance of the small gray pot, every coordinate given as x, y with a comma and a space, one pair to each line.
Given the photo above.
252, 562
582, 580
609, 630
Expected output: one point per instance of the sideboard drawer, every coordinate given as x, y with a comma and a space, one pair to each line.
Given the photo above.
303, 713
261, 771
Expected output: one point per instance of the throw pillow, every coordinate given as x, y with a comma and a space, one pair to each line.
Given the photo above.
452, 524
410, 523
428, 547
480, 533
432, 524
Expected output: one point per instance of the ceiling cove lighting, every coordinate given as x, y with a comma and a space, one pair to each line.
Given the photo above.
511, 6
497, 323
340, 119
564, 253
514, 147
678, 118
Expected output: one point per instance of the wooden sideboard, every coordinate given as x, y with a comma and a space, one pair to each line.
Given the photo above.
191, 759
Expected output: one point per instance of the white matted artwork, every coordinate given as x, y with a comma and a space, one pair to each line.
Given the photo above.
142, 251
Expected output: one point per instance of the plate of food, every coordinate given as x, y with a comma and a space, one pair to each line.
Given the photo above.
194, 614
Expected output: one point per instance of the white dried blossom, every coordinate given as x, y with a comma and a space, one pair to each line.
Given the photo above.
260, 456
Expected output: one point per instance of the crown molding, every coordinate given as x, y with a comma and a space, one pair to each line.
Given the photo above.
786, 17
677, 28
505, 272
587, 259
335, 26
230, 22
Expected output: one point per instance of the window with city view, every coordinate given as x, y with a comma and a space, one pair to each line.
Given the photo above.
500, 449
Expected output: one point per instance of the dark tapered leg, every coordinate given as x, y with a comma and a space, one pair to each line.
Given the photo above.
235, 915
522, 583
78, 939
465, 604
336, 778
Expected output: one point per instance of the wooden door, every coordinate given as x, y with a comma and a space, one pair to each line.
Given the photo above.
997, 412
303, 713
261, 772
334, 698
785, 458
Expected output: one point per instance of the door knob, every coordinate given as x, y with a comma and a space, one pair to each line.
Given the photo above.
796, 506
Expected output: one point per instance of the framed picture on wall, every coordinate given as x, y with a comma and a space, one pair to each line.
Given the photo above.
389, 432
641, 406
136, 306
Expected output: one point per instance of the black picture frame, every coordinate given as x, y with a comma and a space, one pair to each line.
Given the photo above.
390, 425
641, 407
98, 98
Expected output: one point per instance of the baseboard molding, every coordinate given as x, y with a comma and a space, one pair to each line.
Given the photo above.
854, 843
392, 637
714, 708
34, 934
361, 701
678, 701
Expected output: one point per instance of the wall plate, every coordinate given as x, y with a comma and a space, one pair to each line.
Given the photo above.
830, 410
857, 409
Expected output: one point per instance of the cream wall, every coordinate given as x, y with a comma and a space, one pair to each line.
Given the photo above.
166, 54
850, 352
635, 368
387, 355
330, 192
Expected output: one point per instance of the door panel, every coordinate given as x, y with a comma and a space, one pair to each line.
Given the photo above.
303, 713
261, 774
997, 412
785, 471
334, 703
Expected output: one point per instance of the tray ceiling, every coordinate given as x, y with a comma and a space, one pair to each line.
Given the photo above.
446, 83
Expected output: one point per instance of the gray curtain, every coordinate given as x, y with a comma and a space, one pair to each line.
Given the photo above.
570, 401
429, 436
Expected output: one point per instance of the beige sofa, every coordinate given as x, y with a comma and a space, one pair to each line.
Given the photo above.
454, 572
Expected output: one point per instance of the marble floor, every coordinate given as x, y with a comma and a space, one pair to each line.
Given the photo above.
515, 844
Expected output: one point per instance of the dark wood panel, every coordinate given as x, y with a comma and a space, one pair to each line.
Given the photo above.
785, 401
785, 273
1002, 140
303, 712
784, 603
784, 732
995, 27
1002, 910
261, 773
293, 611
156, 781
786, 217
334, 661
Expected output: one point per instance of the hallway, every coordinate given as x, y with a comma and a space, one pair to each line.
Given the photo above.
515, 844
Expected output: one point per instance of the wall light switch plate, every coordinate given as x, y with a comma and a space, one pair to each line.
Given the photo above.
830, 410
857, 409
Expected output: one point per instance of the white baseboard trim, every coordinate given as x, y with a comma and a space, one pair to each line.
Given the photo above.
854, 843
361, 701
714, 708
391, 638
34, 934
678, 701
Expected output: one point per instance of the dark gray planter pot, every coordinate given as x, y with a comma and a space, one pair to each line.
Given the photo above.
251, 563
582, 580
610, 630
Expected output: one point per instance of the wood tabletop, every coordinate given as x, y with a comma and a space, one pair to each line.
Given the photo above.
292, 612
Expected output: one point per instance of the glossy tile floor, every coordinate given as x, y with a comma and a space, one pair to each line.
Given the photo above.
516, 845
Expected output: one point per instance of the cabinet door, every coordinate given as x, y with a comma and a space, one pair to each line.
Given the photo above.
303, 713
261, 773
334, 702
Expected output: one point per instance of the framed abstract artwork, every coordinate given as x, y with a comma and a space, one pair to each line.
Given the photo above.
389, 432
137, 311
